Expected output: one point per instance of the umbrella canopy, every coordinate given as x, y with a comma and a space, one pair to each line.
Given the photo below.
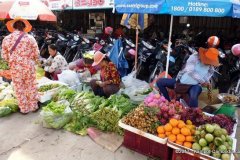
134, 21
26, 9
5, 6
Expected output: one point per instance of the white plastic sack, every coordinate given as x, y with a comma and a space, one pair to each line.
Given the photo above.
85, 76
128, 80
57, 121
69, 77
135, 88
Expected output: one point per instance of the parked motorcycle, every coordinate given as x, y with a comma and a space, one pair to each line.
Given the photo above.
146, 56
49, 39
235, 83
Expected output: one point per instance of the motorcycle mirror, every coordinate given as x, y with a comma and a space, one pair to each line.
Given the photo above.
222, 55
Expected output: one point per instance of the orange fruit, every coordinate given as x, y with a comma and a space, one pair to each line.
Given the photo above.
181, 124
189, 138
181, 121
168, 133
173, 122
172, 137
185, 131
162, 135
189, 126
189, 122
175, 131
180, 138
168, 127
178, 142
192, 131
187, 144
160, 129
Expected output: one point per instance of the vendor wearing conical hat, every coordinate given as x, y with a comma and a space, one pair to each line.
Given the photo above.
110, 79
196, 74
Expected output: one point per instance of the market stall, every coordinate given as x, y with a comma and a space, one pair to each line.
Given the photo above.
168, 130
151, 125
190, 133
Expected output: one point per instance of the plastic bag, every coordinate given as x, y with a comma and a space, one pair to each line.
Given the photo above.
136, 89
57, 120
72, 65
69, 77
128, 80
85, 76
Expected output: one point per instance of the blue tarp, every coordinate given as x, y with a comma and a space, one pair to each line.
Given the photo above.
117, 57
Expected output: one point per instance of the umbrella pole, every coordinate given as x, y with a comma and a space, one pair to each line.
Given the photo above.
169, 45
136, 48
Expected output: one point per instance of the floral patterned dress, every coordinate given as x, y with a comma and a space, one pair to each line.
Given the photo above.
110, 74
22, 65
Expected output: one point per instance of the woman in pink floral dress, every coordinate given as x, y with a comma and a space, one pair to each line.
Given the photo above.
22, 61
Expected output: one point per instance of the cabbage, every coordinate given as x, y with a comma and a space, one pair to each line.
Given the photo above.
4, 111
11, 103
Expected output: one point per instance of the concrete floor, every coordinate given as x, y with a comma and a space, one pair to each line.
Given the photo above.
22, 137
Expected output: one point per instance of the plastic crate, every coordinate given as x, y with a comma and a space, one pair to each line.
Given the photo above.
182, 156
146, 146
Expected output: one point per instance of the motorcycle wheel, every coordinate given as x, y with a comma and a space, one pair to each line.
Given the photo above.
66, 53
232, 88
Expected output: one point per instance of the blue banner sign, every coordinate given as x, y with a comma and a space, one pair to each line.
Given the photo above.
211, 8
140, 6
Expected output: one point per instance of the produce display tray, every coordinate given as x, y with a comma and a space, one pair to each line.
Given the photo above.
192, 153
146, 146
182, 156
46, 96
233, 135
143, 134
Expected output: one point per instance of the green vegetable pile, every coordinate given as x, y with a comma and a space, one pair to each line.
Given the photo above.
48, 87
64, 93
107, 119
83, 105
3, 65
8, 106
39, 72
56, 115
55, 108
104, 114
